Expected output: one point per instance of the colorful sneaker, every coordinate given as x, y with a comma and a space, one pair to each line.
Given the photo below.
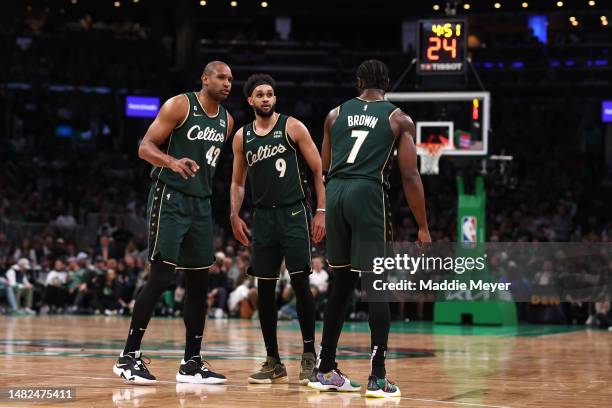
332, 380
271, 372
381, 388
193, 371
309, 362
132, 368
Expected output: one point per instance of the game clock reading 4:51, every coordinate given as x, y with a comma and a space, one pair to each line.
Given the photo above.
441, 46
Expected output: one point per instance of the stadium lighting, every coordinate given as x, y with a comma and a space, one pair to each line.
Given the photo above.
591, 3
575, 23
73, 1
559, 4
234, 3
604, 23
135, 1
436, 7
466, 6
525, 4
264, 4
572, 18
117, 4
202, 3
497, 5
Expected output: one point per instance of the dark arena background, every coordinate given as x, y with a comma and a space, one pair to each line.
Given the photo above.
513, 98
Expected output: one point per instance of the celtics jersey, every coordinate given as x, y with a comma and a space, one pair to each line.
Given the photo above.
200, 137
362, 141
275, 166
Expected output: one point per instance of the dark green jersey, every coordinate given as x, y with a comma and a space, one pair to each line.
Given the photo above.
275, 166
362, 141
200, 137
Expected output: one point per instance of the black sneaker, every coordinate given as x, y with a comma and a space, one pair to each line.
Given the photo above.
194, 372
132, 368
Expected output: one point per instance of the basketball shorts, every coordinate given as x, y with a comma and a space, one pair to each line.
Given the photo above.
180, 228
280, 233
358, 222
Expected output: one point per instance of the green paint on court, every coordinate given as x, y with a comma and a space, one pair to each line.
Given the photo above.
523, 330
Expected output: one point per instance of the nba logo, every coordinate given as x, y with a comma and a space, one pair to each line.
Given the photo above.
468, 229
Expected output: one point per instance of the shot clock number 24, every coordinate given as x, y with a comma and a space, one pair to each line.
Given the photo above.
441, 46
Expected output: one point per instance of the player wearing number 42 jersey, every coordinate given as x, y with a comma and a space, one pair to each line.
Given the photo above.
359, 139
272, 150
183, 144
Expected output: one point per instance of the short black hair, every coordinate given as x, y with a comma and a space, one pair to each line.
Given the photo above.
374, 74
255, 80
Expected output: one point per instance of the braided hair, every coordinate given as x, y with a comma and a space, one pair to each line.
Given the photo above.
374, 74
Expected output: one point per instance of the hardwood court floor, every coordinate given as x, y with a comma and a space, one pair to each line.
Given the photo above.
435, 366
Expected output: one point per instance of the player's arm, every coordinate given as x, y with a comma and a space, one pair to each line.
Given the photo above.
411, 179
239, 173
171, 114
326, 147
301, 136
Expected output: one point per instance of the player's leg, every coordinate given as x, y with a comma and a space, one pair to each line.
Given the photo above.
327, 377
166, 229
266, 260
372, 231
295, 226
195, 257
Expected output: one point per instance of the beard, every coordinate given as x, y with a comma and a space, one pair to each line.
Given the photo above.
263, 113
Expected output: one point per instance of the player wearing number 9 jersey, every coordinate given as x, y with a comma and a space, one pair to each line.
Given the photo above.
359, 139
271, 151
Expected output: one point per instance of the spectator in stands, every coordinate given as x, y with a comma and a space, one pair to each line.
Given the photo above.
48, 250
319, 283
56, 287
218, 287
6, 292
77, 273
22, 288
107, 298
319, 278
106, 249
26, 251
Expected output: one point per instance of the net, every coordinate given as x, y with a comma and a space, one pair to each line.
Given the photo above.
430, 157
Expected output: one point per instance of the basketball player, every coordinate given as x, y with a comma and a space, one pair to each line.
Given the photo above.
358, 143
271, 150
193, 128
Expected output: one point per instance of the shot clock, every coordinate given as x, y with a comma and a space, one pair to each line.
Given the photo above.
441, 46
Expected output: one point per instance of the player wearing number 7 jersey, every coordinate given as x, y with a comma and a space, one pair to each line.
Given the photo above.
183, 144
359, 139
272, 151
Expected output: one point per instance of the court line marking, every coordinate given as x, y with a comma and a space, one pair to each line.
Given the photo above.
123, 382
469, 404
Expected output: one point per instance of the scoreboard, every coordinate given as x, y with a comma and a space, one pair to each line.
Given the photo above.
441, 46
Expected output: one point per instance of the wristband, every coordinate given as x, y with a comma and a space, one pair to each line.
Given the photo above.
320, 209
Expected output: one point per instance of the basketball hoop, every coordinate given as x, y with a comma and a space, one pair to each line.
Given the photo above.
430, 156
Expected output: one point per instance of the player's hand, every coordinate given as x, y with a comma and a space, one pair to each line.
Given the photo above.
423, 236
318, 227
185, 167
240, 230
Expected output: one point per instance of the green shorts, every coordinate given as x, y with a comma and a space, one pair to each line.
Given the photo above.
358, 223
180, 228
277, 233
